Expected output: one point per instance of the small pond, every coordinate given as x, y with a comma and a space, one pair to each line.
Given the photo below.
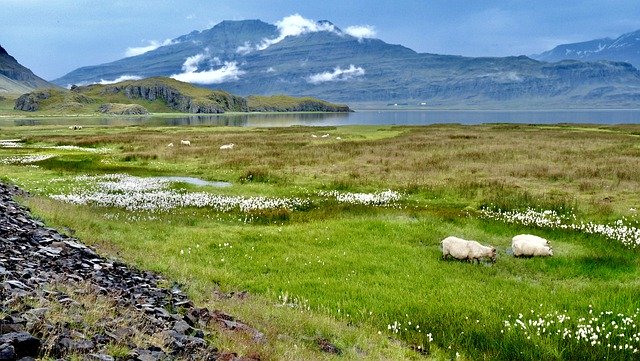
194, 181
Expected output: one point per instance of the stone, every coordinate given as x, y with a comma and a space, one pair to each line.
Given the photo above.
99, 357
7, 352
23, 343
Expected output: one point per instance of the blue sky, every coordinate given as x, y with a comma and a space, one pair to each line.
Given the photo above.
55, 37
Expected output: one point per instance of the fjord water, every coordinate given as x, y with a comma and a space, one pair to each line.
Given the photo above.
359, 117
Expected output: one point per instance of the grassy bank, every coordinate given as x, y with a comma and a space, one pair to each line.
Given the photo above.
330, 253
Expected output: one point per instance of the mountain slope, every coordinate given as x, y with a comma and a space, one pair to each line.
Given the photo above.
252, 57
624, 48
15, 78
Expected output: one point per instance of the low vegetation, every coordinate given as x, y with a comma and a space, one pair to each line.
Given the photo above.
338, 237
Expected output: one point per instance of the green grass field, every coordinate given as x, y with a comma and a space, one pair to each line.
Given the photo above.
366, 275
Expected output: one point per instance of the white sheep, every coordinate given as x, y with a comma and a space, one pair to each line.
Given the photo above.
314, 136
227, 146
530, 238
185, 142
325, 136
338, 138
170, 145
530, 246
462, 249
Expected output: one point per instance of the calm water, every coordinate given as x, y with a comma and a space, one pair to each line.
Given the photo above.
362, 117
195, 181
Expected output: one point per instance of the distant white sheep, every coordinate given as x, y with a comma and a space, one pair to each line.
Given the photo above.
185, 142
170, 145
314, 136
75, 127
462, 249
227, 146
325, 136
338, 138
527, 245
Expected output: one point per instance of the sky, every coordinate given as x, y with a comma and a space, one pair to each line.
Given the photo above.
54, 37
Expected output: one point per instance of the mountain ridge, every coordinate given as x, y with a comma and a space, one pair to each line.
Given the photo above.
625, 47
256, 58
16, 78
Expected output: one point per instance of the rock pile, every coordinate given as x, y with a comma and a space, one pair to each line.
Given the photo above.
33, 257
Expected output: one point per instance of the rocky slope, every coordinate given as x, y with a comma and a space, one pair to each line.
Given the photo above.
15, 78
329, 64
34, 259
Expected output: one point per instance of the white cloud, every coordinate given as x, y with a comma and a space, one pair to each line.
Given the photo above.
153, 45
361, 31
294, 25
190, 65
120, 78
338, 74
228, 72
270, 70
244, 49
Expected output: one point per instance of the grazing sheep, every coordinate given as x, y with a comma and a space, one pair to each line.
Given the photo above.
314, 136
325, 136
530, 238
75, 127
185, 142
227, 146
338, 138
170, 145
530, 247
461, 249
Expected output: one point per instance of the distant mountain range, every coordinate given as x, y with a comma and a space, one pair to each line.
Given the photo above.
253, 57
624, 48
15, 78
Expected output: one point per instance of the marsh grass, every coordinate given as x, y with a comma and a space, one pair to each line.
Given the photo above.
374, 268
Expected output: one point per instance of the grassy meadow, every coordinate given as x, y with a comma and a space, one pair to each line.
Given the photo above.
337, 237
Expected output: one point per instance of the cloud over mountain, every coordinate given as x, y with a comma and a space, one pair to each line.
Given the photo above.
338, 74
228, 72
361, 31
153, 45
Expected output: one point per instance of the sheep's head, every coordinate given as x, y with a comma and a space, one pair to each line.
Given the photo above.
550, 251
493, 254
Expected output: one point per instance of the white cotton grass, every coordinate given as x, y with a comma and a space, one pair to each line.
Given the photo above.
615, 332
76, 148
153, 195
387, 197
25, 159
626, 234
18, 143
11, 143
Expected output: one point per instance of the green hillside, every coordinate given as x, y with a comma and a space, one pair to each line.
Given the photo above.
160, 95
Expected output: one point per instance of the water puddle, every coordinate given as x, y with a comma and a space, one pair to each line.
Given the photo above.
194, 181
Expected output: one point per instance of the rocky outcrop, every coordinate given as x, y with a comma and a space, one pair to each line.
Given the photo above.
123, 109
34, 257
30, 102
211, 104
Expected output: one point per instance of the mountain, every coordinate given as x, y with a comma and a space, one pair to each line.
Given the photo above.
253, 57
625, 48
15, 78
